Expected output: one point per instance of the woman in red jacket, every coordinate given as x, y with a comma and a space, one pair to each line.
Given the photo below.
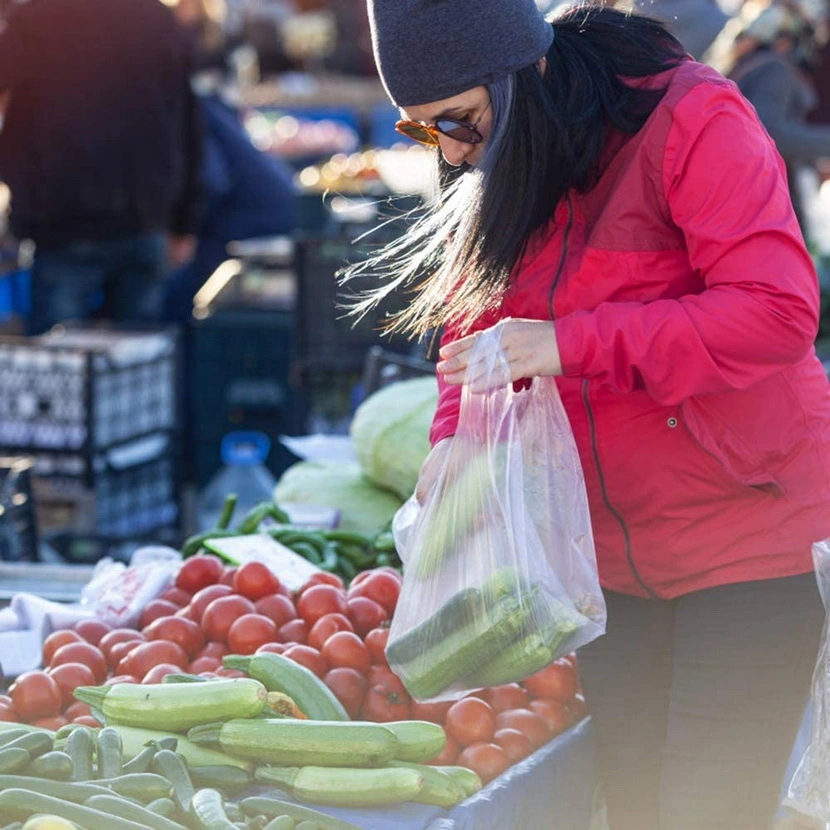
618, 210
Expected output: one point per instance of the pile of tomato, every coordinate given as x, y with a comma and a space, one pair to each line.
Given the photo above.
340, 634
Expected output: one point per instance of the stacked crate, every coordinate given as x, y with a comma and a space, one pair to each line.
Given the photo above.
98, 410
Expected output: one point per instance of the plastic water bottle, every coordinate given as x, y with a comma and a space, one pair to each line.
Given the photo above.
243, 473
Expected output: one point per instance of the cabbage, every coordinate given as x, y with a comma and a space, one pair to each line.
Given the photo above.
390, 433
364, 507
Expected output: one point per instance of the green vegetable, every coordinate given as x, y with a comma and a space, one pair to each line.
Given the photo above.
468, 780
390, 433
228, 509
225, 778
80, 747
114, 805
301, 742
279, 674
439, 789
175, 706
22, 803
271, 807
364, 507
64, 790
55, 764
109, 750
343, 787
207, 808
168, 765
143, 786
35, 743
418, 740
13, 759
284, 823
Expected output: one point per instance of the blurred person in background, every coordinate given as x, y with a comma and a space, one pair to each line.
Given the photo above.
768, 50
100, 146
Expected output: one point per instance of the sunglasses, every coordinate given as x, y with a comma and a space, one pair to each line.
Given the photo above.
428, 133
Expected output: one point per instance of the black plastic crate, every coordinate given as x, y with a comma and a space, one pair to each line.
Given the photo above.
85, 391
134, 494
18, 520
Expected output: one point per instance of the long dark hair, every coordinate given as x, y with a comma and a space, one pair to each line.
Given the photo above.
548, 134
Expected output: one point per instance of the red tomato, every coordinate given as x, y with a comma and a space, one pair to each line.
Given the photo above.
364, 575
186, 613
69, 676
155, 610
57, 639
349, 687
556, 681
223, 672
382, 705
177, 596
323, 578
228, 575
54, 722
82, 652
386, 677
366, 614
555, 714
92, 630
120, 650
516, 745
507, 696
198, 572
325, 627
447, 756
381, 587
201, 599
470, 721
272, 648
320, 600
186, 633
221, 614
88, 720
277, 607
346, 650
376, 641
8, 714
295, 631
249, 632
201, 664
6, 700
36, 694
435, 712
118, 635
527, 722
488, 760
120, 678
76, 709
158, 672
255, 580
308, 657
214, 648
147, 655
578, 708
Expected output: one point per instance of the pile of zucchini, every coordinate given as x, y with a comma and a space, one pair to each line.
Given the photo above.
344, 553
180, 754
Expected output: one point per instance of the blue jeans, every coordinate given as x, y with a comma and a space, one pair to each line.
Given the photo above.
122, 280
697, 702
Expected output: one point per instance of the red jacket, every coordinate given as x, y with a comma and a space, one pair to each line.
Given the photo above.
685, 309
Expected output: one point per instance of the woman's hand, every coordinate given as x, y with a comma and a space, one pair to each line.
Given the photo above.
529, 347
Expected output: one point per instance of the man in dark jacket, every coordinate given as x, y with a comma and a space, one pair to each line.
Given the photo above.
100, 147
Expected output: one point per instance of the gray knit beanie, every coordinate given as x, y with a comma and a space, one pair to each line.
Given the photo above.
428, 50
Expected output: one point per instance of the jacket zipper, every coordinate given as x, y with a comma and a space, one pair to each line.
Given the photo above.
611, 509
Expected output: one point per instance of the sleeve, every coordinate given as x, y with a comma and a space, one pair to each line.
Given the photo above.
758, 310
770, 90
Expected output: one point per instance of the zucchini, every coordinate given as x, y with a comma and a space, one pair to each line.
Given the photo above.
183, 677
13, 759
114, 805
135, 741
9, 734
175, 706
80, 747
418, 740
64, 790
279, 674
301, 742
109, 752
307, 825
168, 765
20, 803
466, 650
35, 743
285, 822
162, 807
141, 762
55, 764
343, 787
225, 778
439, 790
143, 786
207, 809
271, 807
468, 780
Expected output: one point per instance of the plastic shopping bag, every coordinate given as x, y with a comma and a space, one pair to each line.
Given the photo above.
500, 575
809, 790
